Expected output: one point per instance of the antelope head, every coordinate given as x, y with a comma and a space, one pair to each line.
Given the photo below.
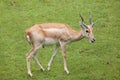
87, 30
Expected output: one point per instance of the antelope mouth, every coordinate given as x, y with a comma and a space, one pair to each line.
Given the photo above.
92, 41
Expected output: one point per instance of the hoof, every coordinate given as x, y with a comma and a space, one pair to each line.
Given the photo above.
42, 69
48, 68
67, 71
30, 74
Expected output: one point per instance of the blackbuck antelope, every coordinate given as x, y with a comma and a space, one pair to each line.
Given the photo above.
41, 35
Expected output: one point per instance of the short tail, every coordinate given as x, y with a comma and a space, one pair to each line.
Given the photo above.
28, 39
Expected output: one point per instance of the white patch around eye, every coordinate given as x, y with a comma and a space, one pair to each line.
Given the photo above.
50, 41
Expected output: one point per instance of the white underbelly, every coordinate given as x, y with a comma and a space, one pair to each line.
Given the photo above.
50, 41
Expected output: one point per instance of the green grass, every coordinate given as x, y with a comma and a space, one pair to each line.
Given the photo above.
98, 61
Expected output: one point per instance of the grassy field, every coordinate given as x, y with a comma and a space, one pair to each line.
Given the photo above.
98, 61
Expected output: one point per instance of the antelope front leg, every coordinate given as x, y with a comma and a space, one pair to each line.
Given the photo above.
63, 48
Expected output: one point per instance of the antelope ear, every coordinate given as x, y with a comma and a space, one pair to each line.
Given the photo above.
90, 20
92, 24
80, 23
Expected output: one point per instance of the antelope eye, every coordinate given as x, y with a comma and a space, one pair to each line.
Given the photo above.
87, 31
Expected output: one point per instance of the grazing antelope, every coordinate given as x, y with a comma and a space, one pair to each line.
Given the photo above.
41, 35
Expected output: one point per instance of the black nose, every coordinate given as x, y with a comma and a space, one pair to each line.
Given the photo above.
93, 40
